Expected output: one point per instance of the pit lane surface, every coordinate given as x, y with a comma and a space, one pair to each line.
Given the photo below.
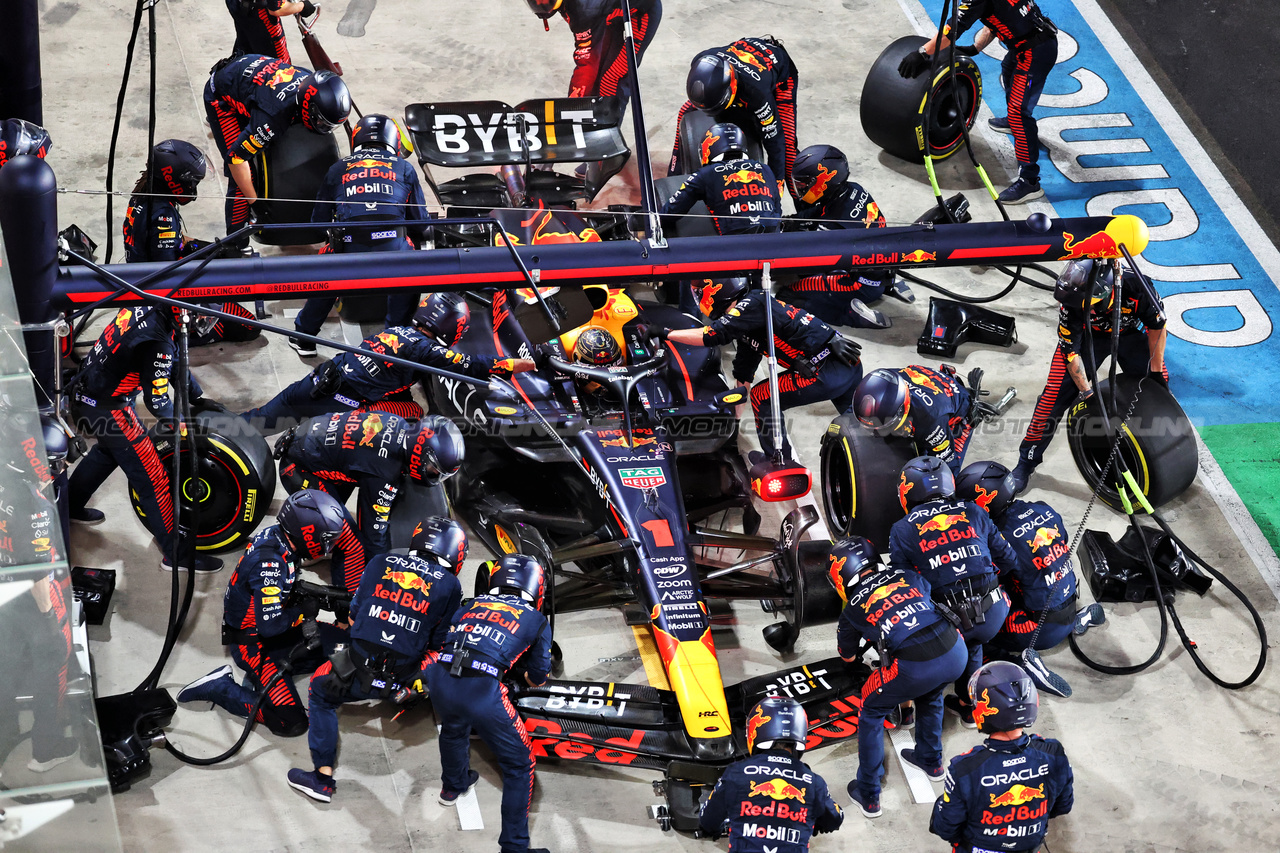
1163, 761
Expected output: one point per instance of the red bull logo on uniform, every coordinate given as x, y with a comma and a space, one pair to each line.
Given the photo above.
499, 607
1017, 795
282, 75
123, 318
1043, 537
391, 341
881, 594
747, 58
744, 176
778, 789
921, 379
406, 580
940, 522
372, 425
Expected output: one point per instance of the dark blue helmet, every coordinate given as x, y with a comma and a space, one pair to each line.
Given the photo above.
325, 102
376, 131
437, 451
18, 137
882, 401
517, 574
712, 83
717, 294
849, 560
177, 167
776, 718
924, 478
1004, 697
817, 170
1078, 286
723, 142
988, 484
444, 316
440, 539
311, 521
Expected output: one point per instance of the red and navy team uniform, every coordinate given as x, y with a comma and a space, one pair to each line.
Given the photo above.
1031, 40
1138, 313
827, 296
344, 451
134, 353
921, 653
488, 636
249, 102
955, 548
399, 619
599, 51
938, 412
802, 342
999, 796
741, 196
773, 802
257, 30
1043, 584
765, 99
364, 381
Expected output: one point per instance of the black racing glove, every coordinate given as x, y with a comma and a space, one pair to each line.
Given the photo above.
648, 331
308, 8
971, 50
845, 351
258, 211
914, 64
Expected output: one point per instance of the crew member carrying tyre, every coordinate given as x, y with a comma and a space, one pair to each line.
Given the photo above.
931, 407
751, 83
400, 615
956, 549
771, 789
1085, 324
1001, 795
134, 353
818, 363
251, 100
258, 26
375, 452
1031, 40
496, 636
738, 190
920, 653
599, 50
357, 381
830, 201
373, 183
263, 623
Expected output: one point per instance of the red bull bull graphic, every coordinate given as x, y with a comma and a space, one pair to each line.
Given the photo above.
982, 708
499, 607
371, 426
903, 488
833, 571
391, 341
921, 379
757, 720
881, 594
873, 215
744, 176
1043, 537
940, 522
123, 318
282, 75
919, 256
1097, 245
820, 184
747, 58
406, 580
983, 498
707, 142
707, 299
1017, 796
777, 789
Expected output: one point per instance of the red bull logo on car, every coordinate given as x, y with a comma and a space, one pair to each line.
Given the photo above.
919, 256
1097, 245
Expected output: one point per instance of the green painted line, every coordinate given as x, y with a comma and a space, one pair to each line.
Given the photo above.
1249, 455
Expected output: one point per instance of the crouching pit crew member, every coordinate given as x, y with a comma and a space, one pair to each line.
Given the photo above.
931, 407
771, 800
399, 618
817, 362
955, 548
263, 622
739, 191
1001, 795
488, 637
920, 654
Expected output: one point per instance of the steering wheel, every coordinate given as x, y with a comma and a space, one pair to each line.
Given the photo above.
621, 379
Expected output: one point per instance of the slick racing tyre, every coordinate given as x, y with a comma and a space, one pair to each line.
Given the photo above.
414, 503
860, 480
293, 167
236, 482
1157, 441
892, 106
694, 127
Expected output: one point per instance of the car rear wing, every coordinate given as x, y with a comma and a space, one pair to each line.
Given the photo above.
462, 134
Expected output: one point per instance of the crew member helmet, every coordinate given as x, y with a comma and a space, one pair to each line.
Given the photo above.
545, 8
712, 83
717, 294
850, 560
1075, 289
775, 719
723, 141
325, 102
178, 167
882, 401
440, 539
519, 575
443, 316
595, 347
924, 478
436, 451
988, 484
376, 131
819, 169
18, 137
1004, 697
311, 521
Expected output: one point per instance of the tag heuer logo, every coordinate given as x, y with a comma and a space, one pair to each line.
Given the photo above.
641, 478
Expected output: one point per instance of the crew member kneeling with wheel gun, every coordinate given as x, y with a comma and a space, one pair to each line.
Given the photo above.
265, 622
1000, 795
771, 800
468, 691
952, 545
399, 618
920, 654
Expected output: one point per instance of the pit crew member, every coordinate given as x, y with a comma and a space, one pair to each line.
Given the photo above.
18, 137
932, 407
738, 190
258, 26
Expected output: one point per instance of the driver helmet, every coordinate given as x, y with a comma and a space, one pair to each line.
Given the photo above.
818, 170
177, 167
441, 540
18, 137
882, 401
521, 576
717, 294
723, 142
436, 451
443, 316
850, 560
775, 719
376, 131
987, 484
596, 347
1074, 289
1004, 697
325, 102
712, 83
311, 521
924, 478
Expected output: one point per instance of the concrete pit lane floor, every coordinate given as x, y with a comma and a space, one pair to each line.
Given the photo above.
1163, 761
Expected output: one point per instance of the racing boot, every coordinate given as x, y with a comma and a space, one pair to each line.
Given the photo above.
862, 316
1088, 617
898, 289
935, 771
220, 688
1021, 476
1045, 679
312, 783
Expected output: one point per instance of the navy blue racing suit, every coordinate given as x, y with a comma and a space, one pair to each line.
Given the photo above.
363, 381
827, 296
955, 548
257, 30
347, 450
599, 51
399, 619
773, 802
488, 635
999, 796
938, 410
376, 185
802, 343
1043, 586
763, 103
134, 353
921, 653
740, 194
